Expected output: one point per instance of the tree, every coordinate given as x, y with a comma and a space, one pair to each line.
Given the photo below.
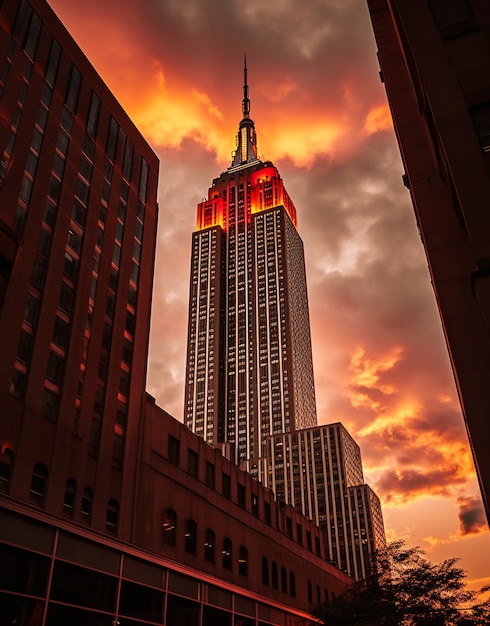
408, 590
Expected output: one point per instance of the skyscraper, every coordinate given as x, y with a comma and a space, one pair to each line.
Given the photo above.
435, 60
319, 471
77, 201
249, 378
249, 363
110, 509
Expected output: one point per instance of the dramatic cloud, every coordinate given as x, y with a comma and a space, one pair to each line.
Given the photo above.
471, 516
381, 365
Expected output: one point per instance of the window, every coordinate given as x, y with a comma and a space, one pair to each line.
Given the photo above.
190, 536
265, 571
255, 505
32, 36
73, 89
243, 561
292, 585
93, 115
25, 347
226, 485
284, 580
38, 270
128, 160
95, 434
50, 405
210, 474
275, 578
310, 593
56, 366
61, 333
31, 310
241, 496
38, 482
69, 498
6, 463
226, 553
112, 516
67, 296
173, 450
53, 62
18, 384
267, 512
169, 524
209, 541
143, 184
192, 463
317, 546
299, 534
112, 139
86, 507
118, 450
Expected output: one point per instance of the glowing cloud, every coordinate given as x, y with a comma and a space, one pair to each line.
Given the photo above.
378, 119
366, 372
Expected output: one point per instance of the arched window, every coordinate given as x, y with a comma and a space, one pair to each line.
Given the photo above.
265, 571
86, 506
292, 585
284, 580
310, 593
69, 498
318, 595
6, 463
112, 516
190, 536
38, 482
226, 553
243, 561
169, 526
209, 540
275, 579
325, 595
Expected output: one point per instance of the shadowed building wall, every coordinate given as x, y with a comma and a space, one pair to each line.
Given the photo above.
435, 64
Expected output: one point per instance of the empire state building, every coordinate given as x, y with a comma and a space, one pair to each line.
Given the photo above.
249, 371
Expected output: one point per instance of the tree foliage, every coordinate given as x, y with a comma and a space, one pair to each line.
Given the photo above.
408, 590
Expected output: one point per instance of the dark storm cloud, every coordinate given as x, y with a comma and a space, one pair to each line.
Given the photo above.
471, 516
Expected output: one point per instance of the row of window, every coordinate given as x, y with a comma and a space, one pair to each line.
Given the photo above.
270, 574
38, 487
252, 505
170, 534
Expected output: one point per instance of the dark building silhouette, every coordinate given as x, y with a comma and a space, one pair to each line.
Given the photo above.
111, 511
435, 64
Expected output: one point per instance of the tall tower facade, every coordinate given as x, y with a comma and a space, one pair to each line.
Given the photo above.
249, 363
78, 214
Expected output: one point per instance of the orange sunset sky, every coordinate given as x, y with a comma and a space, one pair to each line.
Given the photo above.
381, 365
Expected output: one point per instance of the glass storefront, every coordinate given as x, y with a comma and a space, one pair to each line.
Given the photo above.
49, 576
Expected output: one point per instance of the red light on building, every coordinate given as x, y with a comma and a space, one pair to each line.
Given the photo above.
210, 213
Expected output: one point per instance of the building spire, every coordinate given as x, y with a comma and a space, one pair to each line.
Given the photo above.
246, 145
246, 101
